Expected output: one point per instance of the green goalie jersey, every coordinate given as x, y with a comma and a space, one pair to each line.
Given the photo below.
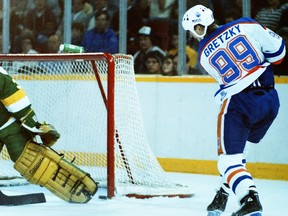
15, 105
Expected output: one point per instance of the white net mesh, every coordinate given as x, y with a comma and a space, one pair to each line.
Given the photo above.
65, 93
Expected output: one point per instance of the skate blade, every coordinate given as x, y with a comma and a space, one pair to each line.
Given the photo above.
214, 213
255, 214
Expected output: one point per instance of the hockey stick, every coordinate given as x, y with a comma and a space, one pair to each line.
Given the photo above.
21, 199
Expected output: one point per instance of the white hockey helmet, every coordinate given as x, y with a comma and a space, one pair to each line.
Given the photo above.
196, 15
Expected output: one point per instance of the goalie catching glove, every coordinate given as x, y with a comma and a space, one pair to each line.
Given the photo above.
45, 167
47, 132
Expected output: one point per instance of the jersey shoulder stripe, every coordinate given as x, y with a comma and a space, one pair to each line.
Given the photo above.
18, 95
278, 53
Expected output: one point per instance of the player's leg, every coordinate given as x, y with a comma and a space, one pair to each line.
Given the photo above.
238, 122
15, 139
240, 182
267, 104
43, 166
219, 202
232, 133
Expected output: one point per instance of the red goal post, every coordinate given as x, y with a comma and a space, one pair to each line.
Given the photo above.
92, 100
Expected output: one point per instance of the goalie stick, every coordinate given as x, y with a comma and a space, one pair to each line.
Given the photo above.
25, 199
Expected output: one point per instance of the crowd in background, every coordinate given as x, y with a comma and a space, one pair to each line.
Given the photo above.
36, 26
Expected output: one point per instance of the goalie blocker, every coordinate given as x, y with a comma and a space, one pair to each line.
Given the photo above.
43, 166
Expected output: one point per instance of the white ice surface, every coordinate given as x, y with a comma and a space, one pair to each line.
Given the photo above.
273, 195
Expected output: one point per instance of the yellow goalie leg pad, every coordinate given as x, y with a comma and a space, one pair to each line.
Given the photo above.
45, 167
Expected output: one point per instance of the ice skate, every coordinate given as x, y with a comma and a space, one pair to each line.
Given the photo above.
218, 205
250, 205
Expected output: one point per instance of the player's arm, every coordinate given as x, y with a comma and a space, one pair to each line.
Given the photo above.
15, 100
273, 46
49, 135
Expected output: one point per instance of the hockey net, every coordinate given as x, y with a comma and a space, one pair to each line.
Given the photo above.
93, 102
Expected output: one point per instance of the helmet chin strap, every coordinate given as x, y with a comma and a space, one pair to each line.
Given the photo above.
195, 36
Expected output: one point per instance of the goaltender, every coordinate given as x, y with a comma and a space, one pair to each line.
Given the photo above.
29, 145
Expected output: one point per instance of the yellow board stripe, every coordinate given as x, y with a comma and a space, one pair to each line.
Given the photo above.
193, 79
139, 78
86, 158
184, 79
209, 167
55, 77
17, 96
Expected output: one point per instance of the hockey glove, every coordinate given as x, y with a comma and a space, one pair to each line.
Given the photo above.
47, 132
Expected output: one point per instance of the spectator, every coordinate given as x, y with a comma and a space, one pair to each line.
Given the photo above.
114, 2
224, 8
146, 45
81, 13
160, 8
27, 41
42, 22
101, 5
143, 10
191, 53
133, 24
77, 33
168, 68
174, 12
53, 44
270, 15
284, 17
231, 15
207, 3
17, 15
154, 62
55, 5
219, 7
102, 38
188, 69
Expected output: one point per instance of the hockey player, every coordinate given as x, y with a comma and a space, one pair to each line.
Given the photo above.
238, 56
28, 143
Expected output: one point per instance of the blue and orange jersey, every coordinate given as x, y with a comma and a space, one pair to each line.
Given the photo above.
238, 53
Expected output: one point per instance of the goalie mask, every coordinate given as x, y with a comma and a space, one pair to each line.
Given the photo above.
197, 15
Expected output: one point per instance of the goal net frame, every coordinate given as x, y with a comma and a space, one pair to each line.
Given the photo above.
108, 96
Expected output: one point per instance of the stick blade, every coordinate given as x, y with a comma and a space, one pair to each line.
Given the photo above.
21, 199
